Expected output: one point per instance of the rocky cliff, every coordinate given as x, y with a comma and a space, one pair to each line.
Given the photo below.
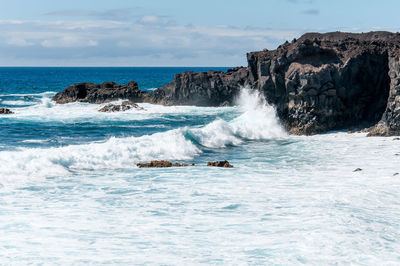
330, 81
317, 83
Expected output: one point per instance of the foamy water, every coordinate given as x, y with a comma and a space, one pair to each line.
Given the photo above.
72, 194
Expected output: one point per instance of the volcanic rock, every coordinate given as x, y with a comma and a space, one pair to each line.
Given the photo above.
212, 88
100, 93
124, 106
5, 111
225, 164
160, 164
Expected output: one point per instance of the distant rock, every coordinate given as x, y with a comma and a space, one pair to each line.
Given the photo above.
212, 88
5, 111
100, 93
124, 106
357, 170
160, 164
225, 164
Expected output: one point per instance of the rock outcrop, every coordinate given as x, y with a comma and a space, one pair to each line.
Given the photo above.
160, 164
330, 81
317, 83
5, 111
212, 88
224, 164
124, 106
100, 93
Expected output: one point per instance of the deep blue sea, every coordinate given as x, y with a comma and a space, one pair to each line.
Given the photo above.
71, 193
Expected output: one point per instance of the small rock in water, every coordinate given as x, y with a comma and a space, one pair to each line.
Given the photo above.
5, 111
395, 174
124, 106
396, 139
357, 170
160, 164
225, 164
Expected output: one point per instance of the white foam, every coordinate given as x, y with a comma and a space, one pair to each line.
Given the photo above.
115, 153
258, 121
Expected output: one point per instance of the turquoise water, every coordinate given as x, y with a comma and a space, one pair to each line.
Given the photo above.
70, 191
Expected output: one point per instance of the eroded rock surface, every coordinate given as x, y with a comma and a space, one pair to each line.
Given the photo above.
332, 81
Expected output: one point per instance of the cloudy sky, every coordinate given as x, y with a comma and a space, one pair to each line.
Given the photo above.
171, 32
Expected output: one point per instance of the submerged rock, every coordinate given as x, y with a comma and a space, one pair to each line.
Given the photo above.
5, 111
225, 164
160, 164
124, 106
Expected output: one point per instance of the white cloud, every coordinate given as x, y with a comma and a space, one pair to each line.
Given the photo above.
102, 42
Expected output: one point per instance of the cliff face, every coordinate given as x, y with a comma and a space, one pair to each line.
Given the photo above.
332, 81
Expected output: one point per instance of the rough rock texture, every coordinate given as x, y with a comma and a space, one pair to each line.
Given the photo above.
160, 164
225, 164
212, 88
124, 106
5, 111
100, 93
332, 81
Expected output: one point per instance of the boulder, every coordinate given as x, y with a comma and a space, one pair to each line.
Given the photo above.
5, 111
225, 164
160, 164
124, 106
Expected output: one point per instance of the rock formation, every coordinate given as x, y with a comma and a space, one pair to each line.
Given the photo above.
160, 164
225, 164
100, 93
5, 111
317, 83
124, 106
212, 88
332, 81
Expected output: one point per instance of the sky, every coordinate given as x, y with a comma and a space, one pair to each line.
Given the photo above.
172, 32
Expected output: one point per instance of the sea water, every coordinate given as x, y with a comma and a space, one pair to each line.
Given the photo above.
71, 193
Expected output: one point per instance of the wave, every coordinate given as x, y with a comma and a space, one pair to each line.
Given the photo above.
257, 121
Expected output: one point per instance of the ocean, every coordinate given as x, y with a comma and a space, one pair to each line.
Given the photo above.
71, 193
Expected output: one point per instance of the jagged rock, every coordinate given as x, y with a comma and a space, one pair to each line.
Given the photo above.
225, 164
332, 81
212, 88
160, 164
5, 111
100, 93
124, 106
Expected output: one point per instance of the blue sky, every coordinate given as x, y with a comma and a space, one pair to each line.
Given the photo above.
171, 32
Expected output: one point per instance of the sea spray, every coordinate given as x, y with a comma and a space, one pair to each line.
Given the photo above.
258, 121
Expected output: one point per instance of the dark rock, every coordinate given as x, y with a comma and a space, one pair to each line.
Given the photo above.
160, 164
395, 174
124, 106
212, 88
357, 170
332, 81
396, 139
5, 111
100, 93
225, 164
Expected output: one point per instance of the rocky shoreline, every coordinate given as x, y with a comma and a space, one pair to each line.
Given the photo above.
318, 83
